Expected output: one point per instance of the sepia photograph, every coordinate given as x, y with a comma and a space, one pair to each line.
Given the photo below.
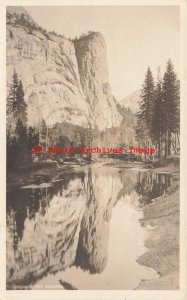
93, 144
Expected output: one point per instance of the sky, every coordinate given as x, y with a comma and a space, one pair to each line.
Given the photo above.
136, 37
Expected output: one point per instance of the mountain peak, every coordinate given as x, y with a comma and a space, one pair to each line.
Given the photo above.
131, 101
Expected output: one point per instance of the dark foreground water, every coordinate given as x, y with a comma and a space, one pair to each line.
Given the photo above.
84, 230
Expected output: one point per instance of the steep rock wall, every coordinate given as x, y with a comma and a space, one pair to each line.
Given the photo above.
92, 63
49, 72
64, 81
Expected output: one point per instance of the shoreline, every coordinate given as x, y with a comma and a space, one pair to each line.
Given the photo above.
162, 216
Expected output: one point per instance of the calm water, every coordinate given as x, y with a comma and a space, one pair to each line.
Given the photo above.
83, 229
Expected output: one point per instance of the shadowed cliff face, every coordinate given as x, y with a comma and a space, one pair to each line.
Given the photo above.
61, 84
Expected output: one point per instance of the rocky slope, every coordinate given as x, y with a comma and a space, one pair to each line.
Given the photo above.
63, 80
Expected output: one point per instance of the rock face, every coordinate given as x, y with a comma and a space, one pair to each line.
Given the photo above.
92, 63
63, 81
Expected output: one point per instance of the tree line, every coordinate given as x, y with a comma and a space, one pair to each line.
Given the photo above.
158, 118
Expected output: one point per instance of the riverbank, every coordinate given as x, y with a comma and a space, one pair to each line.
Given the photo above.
40, 172
169, 165
162, 216
35, 174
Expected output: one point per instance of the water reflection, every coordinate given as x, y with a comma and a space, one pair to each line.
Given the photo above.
151, 185
94, 233
68, 224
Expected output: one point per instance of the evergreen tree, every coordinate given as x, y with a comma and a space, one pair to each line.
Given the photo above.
142, 132
171, 98
16, 106
17, 147
12, 95
19, 105
145, 113
32, 139
157, 126
22, 146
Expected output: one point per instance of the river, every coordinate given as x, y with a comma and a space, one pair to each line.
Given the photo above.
83, 229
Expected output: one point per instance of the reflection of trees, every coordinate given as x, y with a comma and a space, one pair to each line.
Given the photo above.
49, 229
94, 232
25, 203
151, 185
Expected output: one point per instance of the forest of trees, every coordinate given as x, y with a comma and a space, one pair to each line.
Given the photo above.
158, 118
20, 137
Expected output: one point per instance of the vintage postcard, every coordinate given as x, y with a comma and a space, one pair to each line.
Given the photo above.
93, 140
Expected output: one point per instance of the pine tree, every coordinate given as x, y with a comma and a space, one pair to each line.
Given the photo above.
145, 114
22, 146
32, 140
11, 124
16, 123
19, 105
33, 137
16, 106
171, 100
157, 127
12, 95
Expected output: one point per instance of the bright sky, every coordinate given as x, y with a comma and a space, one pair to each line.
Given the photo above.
136, 37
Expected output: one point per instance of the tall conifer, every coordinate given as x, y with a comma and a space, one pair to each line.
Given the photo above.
171, 98
157, 126
145, 114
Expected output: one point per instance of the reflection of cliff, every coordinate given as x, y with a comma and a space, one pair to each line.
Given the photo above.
67, 225
49, 239
129, 181
94, 233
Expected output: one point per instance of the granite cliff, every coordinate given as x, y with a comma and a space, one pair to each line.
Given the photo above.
64, 80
